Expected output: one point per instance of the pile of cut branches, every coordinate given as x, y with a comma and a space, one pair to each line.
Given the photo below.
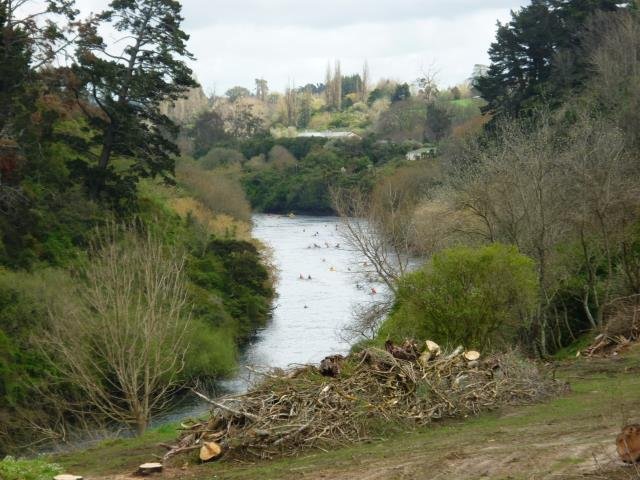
291, 411
622, 328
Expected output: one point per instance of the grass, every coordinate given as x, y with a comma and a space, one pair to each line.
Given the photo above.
118, 455
556, 439
465, 102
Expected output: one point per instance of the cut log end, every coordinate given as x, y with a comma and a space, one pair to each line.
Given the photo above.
471, 355
210, 451
149, 468
628, 444
432, 347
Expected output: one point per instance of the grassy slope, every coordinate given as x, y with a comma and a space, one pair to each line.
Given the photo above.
559, 439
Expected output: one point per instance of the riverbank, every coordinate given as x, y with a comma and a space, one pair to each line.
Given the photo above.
571, 437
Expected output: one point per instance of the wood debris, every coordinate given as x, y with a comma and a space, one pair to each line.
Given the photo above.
628, 444
283, 415
149, 468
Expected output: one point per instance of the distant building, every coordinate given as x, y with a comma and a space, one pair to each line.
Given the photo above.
421, 153
330, 134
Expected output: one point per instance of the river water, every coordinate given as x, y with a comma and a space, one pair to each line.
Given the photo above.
310, 312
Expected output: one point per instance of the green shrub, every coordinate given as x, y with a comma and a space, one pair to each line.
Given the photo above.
476, 297
212, 351
13, 469
221, 157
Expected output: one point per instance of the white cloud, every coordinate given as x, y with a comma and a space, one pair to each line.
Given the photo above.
292, 40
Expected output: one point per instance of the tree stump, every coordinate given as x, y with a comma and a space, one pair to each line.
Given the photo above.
149, 468
471, 356
628, 443
330, 366
210, 451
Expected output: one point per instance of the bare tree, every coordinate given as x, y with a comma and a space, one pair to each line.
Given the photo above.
382, 237
542, 184
122, 344
602, 184
262, 89
291, 104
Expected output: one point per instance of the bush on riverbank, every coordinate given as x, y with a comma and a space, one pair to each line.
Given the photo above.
229, 290
480, 297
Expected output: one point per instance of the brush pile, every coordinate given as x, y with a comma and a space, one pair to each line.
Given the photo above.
622, 328
370, 393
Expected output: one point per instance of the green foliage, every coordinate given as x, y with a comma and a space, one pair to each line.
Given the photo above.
438, 121
16, 469
221, 157
212, 351
126, 93
304, 187
236, 93
24, 302
476, 297
207, 131
401, 93
524, 69
404, 120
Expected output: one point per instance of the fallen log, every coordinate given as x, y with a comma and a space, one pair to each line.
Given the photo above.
66, 476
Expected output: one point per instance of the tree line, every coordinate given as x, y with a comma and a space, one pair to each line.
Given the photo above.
545, 195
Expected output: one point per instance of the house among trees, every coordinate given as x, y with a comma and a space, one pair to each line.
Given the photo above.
330, 134
421, 153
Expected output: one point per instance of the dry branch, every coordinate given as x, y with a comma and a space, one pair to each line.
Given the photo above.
288, 415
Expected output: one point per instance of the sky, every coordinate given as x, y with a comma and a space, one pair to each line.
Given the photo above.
290, 42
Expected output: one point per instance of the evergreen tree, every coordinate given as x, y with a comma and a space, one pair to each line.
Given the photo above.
402, 92
526, 49
125, 91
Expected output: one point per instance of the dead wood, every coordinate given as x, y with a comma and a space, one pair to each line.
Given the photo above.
284, 415
330, 366
628, 444
149, 468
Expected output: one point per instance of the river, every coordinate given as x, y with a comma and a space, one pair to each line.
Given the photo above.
308, 313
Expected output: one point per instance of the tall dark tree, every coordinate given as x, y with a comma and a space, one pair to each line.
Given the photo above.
402, 92
526, 48
207, 131
438, 121
125, 90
